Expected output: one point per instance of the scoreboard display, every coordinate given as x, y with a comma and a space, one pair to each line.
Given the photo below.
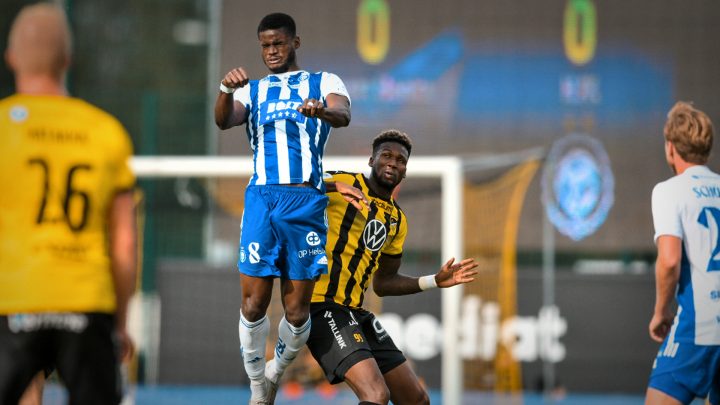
474, 78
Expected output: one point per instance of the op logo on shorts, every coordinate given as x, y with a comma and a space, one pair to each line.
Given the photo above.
312, 238
374, 235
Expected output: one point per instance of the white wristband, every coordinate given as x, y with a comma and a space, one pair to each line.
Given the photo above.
427, 282
227, 90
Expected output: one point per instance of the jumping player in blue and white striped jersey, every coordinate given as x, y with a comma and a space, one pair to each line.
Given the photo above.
288, 146
288, 116
686, 215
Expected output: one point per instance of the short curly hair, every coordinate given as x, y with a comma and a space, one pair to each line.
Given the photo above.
690, 131
277, 21
392, 135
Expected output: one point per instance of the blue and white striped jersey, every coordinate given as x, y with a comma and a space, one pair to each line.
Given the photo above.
287, 146
687, 206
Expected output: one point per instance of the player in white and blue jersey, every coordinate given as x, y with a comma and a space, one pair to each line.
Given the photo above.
288, 116
686, 215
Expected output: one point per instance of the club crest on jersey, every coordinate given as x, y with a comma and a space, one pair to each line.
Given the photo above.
374, 235
18, 113
276, 110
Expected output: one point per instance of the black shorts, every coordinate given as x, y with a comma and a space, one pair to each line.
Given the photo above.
341, 337
80, 346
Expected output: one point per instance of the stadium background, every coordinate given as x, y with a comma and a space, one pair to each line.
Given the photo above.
466, 78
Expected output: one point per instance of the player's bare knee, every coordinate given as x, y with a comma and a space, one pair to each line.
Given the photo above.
374, 390
298, 318
376, 393
423, 398
412, 396
297, 315
253, 308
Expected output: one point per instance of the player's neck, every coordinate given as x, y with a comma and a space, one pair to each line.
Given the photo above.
681, 166
293, 68
378, 189
39, 85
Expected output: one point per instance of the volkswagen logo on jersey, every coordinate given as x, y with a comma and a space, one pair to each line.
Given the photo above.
374, 235
577, 185
312, 238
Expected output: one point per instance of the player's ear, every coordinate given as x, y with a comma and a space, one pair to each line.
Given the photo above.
296, 42
370, 162
669, 149
9, 60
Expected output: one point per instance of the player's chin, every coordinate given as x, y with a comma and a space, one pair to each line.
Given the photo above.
277, 67
390, 183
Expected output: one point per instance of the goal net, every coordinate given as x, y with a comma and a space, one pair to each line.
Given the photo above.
186, 318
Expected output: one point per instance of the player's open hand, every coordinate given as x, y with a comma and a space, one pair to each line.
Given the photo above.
312, 108
236, 78
660, 325
352, 195
453, 273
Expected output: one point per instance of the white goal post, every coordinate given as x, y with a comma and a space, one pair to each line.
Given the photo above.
449, 169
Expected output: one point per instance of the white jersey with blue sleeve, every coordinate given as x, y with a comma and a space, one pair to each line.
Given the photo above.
287, 146
687, 206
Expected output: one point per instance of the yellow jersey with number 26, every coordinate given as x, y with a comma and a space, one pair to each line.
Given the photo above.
62, 161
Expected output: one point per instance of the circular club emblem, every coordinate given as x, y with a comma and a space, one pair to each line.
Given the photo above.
577, 185
374, 235
243, 256
18, 113
312, 238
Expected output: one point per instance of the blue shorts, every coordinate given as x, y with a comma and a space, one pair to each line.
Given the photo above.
283, 232
692, 371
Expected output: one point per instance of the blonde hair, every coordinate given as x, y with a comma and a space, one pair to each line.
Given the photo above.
40, 40
690, 131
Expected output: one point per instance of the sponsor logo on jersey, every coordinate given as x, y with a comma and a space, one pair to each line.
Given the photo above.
276, 110
71, 322
322, 260
374, 235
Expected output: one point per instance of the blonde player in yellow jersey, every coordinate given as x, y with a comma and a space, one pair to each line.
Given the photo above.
67, 223
365, 246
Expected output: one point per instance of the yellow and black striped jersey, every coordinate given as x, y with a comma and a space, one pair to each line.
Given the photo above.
355, 241
62, 161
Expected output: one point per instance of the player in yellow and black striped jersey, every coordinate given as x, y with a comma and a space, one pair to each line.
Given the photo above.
356, 239
67, 223
364, 245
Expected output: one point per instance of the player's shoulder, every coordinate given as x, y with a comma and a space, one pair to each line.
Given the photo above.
326, 76
97, 118
6, 101
345, 177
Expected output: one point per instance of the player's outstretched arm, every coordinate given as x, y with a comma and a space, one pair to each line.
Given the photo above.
352, 195
667, 274
387, 280
123, 256
336, 112
228, 112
